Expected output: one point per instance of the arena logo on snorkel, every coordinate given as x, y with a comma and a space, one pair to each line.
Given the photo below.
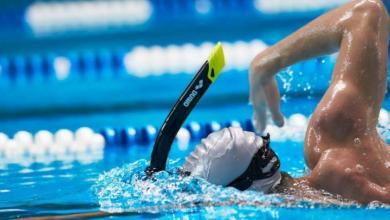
193, 94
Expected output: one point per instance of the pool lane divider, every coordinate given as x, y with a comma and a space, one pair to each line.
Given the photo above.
294, 130
130, 136
207, 74
47, 146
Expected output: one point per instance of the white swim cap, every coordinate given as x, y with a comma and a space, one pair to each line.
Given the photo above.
233, 157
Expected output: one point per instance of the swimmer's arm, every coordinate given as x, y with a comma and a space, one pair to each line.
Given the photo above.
336, 173
318, 37
321, 36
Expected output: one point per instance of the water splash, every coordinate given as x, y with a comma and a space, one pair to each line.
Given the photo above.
384, 124
127, 189
287, 77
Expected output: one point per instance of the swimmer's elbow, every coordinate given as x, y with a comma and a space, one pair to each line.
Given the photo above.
373, 11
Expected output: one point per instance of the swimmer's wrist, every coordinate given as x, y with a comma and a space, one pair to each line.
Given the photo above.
263, 69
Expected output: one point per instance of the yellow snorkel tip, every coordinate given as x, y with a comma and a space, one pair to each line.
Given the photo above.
216, 62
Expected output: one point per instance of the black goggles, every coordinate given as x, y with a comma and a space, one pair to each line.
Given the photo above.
261, 159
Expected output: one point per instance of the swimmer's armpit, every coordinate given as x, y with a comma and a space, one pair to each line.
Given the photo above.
343, 178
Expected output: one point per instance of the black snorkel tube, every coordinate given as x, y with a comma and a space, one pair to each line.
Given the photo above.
207, 74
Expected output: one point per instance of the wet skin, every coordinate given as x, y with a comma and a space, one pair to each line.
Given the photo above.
342, 147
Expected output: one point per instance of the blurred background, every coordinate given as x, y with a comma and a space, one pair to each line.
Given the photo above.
98, 63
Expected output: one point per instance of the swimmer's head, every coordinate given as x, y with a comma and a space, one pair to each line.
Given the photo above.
233, 157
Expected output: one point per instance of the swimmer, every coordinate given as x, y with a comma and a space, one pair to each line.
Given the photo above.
343, 150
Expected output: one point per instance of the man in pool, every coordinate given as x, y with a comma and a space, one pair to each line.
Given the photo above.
342, 147
343, 150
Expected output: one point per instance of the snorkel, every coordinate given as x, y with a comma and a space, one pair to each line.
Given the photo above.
207, 75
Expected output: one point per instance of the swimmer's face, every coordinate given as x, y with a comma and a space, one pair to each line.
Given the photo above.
264, 164
232, 157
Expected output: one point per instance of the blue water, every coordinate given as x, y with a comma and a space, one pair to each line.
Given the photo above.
87, 183
128, 190
109, 181
112, 180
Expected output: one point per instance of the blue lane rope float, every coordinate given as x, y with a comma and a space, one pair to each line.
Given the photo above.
147, 134
129, 136
212, 127
111, 137
195, 130
248, 125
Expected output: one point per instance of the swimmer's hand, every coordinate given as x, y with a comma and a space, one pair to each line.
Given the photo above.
264, 93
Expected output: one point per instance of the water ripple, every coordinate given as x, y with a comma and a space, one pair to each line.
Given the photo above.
127, 189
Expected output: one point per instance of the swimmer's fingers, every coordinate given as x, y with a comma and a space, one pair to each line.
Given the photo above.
259, 120
264, 92
258, 100
265, 97
272, 97
256, 93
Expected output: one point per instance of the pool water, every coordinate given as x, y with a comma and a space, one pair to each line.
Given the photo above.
127, 78
109, 180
